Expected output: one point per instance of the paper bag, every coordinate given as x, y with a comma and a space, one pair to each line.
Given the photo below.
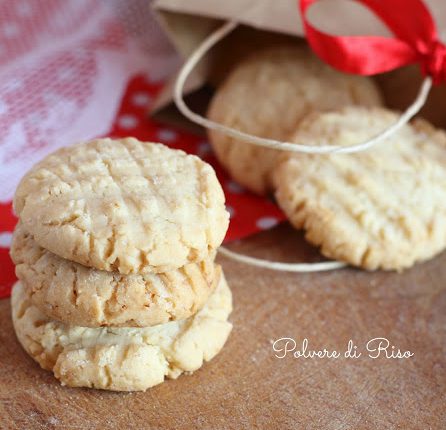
268, 22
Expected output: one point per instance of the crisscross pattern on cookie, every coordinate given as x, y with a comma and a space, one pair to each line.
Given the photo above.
124, 205
382, 208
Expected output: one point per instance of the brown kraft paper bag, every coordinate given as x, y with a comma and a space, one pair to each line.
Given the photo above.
267, 22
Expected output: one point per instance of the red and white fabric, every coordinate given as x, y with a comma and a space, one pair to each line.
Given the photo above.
76, 69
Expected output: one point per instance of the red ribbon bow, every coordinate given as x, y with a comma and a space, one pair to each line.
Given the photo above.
415, 41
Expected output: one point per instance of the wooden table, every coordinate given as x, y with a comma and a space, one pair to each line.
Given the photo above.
246, 386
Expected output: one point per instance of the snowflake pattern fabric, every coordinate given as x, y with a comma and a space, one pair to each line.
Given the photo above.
78, 69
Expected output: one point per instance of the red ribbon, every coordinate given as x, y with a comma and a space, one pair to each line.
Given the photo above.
415, 41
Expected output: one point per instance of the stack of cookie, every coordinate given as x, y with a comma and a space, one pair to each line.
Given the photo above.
115, 253
382, 208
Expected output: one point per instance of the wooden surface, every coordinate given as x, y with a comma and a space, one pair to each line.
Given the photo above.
246, 386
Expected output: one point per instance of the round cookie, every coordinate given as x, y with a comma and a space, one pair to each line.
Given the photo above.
122, 359
381, 208
267, 95
78, 295
124, 205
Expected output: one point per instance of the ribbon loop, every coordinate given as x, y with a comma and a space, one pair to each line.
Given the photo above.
415, 40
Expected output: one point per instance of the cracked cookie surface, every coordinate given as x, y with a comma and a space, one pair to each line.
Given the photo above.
380, 208
122, 359
267, 95
124, 205
79, 295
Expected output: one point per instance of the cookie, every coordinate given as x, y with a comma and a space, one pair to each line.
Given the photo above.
124, 205
122, 359
381, 208
78, 295
267, 95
